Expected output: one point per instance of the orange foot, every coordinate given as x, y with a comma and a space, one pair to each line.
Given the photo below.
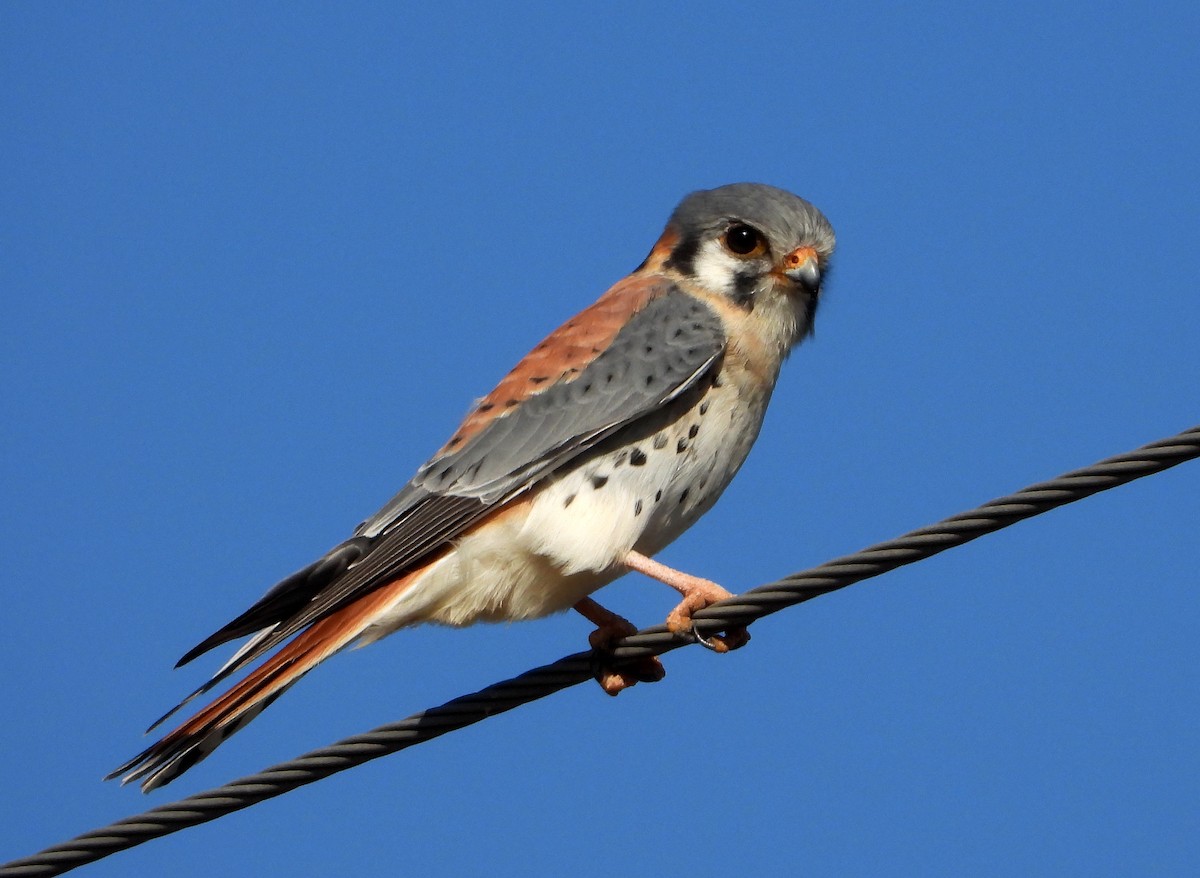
611, 628
697, 594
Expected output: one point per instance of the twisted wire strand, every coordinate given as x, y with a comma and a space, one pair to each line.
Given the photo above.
578, 667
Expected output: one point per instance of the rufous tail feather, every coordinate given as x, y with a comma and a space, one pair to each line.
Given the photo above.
200, 735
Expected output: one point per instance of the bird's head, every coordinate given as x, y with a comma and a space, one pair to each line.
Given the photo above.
760, 248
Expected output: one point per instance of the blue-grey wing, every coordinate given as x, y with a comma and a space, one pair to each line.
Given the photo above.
659, 352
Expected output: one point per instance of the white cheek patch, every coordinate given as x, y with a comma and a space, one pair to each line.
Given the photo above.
714, 268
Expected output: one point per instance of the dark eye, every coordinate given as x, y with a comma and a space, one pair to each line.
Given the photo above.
744, 240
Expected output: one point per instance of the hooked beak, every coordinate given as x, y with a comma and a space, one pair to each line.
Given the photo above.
802, 268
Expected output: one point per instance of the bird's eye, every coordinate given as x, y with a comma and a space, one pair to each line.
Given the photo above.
744, 240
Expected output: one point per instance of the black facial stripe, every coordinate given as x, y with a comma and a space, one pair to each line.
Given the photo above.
744, 284
683, 256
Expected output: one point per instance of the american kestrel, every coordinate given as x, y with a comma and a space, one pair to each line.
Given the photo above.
602, 445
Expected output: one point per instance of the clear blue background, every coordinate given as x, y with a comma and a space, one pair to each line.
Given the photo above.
256, 261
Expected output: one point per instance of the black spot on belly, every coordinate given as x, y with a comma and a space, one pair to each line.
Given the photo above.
704, 408
660, 441
657, 496
637, 457
570, 499
599, 482
637, 508
681, 446
683, 496
693, 430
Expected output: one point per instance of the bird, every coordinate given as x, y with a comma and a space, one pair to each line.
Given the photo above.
601, 446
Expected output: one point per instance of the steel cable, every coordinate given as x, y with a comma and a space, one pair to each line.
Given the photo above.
573, 669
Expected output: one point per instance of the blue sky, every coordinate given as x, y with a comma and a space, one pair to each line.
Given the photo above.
257, 261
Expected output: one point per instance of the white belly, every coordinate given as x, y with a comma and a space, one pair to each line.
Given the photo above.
647, 493
572, 538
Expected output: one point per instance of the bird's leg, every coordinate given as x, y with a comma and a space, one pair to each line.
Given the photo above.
697, 594
611, 628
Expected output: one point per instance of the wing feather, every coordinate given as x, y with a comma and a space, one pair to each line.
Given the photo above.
634, 365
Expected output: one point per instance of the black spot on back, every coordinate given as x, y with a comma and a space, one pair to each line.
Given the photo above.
637, 457
599, 482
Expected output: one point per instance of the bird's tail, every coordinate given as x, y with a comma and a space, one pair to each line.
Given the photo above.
200, 735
